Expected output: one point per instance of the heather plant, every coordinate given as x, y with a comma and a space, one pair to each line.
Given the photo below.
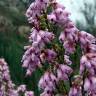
55, 47
53, 41
7, 87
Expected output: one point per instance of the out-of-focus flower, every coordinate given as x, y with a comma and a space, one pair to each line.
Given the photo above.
5, 80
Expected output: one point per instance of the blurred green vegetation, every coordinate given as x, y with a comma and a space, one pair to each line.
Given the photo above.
89, 13
14, 31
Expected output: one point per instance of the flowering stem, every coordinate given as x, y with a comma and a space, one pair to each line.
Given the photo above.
46, 20
64, 88
83, 92
66, 92
70, 81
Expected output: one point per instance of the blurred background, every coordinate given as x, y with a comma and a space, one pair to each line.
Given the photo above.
14, 31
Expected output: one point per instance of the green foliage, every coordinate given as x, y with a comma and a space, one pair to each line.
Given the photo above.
14, 32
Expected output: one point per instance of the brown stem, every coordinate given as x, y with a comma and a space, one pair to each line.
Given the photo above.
83, 92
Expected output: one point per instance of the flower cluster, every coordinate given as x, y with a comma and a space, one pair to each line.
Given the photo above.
75, 90
35, 10
32, 57
69, 38
63, 71
48, 84
7, 87
38, 52
87, 42
48, 55
59, 77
